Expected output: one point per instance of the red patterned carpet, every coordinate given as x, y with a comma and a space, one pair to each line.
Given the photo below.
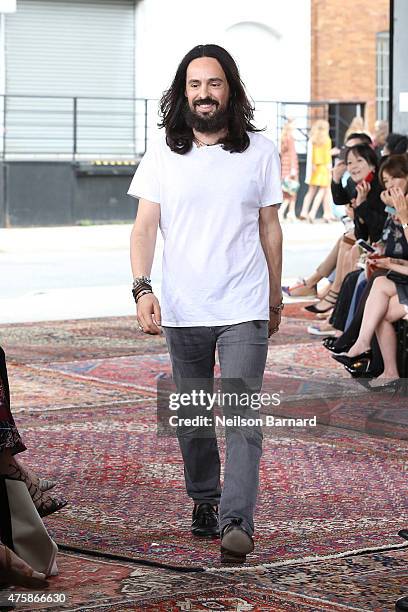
370, 582
84, 397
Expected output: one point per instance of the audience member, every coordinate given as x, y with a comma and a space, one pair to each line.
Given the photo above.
289, 172
366, 208
385, 299
357, 125
11, 444
319, 162
395, 144
379, 136
308, 287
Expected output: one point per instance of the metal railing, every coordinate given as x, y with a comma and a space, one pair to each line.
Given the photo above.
88, 128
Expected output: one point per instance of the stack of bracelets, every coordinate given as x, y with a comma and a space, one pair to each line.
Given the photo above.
141, 286
278, 308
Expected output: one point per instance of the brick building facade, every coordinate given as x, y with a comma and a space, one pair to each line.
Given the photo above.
344, 50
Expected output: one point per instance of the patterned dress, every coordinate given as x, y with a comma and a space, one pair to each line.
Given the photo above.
9, 436
289, 158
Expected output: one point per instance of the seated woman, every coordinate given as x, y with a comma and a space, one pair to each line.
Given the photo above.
14, 571
368, 212
393, 174
387, 301
308, 287
11, 445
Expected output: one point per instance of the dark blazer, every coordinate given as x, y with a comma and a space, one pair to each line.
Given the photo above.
370, 216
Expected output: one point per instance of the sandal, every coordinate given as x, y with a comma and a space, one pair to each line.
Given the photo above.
301, 290
330, 297
16, 572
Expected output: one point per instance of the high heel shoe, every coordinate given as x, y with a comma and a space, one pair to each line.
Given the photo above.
19, 573
347, 361
45, 504
44, 484
331, 298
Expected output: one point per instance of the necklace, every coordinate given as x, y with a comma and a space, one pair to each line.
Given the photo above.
200, 143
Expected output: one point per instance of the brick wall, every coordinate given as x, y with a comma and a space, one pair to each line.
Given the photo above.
344, 50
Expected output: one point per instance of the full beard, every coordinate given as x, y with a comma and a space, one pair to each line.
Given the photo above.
207, 124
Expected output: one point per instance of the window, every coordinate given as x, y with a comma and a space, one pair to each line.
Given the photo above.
382, 90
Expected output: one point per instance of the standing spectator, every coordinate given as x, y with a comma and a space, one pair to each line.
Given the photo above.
356, 125
380, 136
289, 171
318, 172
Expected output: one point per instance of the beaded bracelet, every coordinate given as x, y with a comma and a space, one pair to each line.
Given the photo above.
278, 308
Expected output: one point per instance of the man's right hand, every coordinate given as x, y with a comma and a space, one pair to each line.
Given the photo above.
338, 171
149, 314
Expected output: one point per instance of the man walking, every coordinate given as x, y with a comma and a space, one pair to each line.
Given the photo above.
212, 184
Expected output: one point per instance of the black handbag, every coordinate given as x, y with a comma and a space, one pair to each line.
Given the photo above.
396, 277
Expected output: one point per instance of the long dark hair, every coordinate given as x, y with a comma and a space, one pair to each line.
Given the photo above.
179, 136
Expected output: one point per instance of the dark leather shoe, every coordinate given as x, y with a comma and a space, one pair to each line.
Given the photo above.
403, 533
236, 543
401, 605
205, 520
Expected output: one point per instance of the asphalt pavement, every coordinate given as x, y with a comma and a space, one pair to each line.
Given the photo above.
84, 272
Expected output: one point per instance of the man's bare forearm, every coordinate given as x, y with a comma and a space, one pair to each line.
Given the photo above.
142, 245
271, 240
143, 238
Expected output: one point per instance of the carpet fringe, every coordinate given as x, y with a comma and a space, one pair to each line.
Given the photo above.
310, 559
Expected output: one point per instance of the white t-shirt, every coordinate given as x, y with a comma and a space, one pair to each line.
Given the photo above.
214, 267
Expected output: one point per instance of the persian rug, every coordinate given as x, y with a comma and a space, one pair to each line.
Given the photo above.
297, 310
365, 582
111, 337
143, 371
126, 491
40, 390
76, 339
370, 582
95, 583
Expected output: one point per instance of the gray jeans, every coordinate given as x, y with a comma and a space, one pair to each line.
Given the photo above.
242, 350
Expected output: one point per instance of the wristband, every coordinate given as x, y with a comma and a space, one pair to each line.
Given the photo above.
141, 280
138, 295
278, 308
